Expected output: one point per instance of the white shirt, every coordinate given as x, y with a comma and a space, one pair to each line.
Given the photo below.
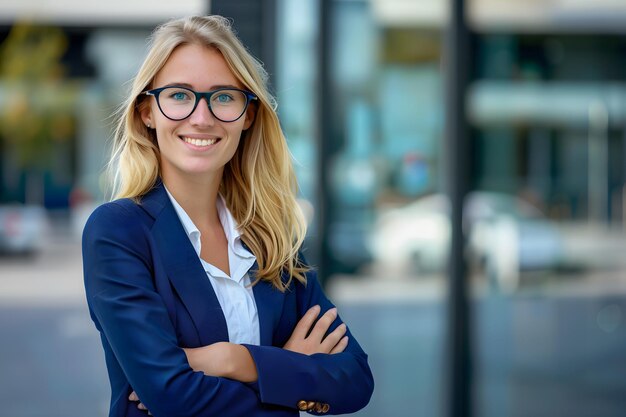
234, 292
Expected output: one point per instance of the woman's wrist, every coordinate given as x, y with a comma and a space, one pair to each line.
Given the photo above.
223, 359
242, 367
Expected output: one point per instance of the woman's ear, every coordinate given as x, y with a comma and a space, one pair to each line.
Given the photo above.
145, 112
250, 115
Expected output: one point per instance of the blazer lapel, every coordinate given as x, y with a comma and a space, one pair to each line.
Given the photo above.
189, 278
185, 270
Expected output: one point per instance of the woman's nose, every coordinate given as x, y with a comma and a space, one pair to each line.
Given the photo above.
202, 115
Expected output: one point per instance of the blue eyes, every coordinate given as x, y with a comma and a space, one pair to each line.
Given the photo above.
223, 98
180, 96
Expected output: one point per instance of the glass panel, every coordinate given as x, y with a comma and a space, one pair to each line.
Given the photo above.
547, 262
388, 225
296, 92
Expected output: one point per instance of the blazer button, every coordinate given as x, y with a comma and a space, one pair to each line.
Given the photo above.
310, 405
318, 407
302, 405
325, 408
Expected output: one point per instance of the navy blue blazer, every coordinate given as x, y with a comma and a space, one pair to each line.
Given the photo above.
149, 295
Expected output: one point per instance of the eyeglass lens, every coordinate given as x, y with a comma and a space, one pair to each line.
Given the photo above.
178, 103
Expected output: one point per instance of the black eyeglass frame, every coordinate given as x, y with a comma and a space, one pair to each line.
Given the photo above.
199, 95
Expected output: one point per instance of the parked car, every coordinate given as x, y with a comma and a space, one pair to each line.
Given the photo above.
22, 228
505, 235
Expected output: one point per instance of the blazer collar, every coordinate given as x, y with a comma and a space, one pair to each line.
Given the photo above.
155, 200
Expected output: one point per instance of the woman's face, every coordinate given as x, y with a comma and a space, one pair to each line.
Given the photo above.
199, 145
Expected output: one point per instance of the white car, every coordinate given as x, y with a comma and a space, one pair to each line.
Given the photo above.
504, 233
22, 228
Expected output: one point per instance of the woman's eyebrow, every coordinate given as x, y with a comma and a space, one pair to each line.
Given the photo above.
189, 86
175, 84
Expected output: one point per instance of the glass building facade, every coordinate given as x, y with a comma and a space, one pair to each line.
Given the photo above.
543, 219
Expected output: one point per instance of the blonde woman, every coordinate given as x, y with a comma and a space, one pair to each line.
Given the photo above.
193, 273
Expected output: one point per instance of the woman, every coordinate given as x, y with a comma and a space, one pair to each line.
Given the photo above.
193, 275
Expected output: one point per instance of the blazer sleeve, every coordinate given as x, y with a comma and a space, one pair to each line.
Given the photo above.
131, 315
344, 380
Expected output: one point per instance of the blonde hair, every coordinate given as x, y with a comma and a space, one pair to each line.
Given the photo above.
258, 183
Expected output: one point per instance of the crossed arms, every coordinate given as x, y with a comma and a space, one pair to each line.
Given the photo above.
233, 361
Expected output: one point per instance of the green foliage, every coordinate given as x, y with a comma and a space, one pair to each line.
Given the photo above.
38, 103
33, 53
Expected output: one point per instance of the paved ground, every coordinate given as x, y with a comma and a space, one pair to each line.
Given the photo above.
554, 352
50, 354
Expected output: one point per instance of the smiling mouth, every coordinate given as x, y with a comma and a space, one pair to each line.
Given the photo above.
200, 142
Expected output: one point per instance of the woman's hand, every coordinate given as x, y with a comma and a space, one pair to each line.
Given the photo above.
315, 342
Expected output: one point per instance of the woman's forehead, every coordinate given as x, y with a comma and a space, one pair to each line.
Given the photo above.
198, 66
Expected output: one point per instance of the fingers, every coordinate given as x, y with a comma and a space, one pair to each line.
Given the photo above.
334, 337
311, 336
305, 323
323, 324
133, 397
341, 346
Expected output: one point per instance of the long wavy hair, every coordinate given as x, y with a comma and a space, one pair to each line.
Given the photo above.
258, 184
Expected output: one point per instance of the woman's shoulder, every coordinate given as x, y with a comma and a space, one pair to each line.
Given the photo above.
123, 214
121, 209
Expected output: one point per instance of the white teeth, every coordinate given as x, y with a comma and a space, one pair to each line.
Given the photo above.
200, 142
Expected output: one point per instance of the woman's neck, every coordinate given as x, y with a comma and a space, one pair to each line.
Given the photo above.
197, 196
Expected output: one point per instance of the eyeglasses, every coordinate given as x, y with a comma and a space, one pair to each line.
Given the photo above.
226, 104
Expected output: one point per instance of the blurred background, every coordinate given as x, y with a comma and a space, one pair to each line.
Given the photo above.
361, 91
